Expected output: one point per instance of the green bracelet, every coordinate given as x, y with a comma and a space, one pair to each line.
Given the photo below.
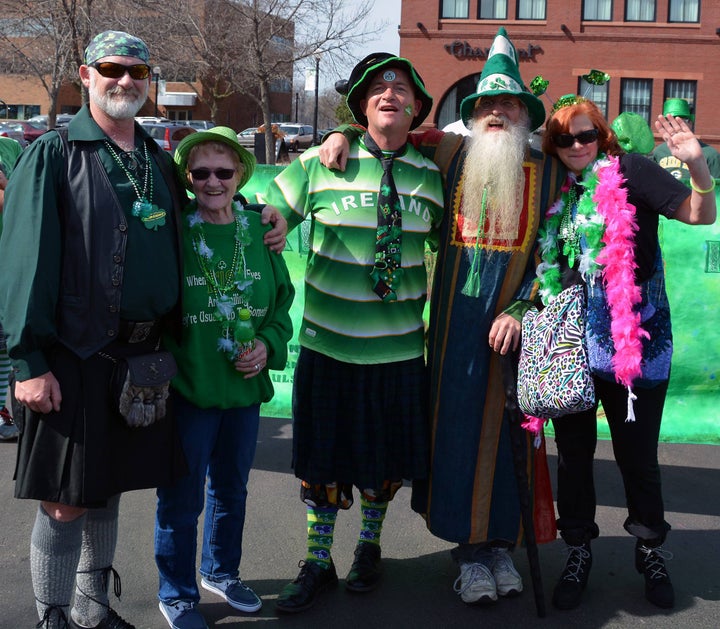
698, 190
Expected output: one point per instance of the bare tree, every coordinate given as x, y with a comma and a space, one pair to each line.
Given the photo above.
247, 46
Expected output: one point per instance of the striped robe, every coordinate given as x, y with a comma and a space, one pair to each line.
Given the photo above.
472, 495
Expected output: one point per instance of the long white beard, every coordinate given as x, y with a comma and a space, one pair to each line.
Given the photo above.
494, 162
117, 102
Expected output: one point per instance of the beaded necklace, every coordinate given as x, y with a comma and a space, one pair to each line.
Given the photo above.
234, 288
150, 214
606, 225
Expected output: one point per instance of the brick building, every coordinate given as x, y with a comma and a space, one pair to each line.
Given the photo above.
652, 49
178, 91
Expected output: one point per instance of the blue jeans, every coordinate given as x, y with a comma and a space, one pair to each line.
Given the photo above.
219, 445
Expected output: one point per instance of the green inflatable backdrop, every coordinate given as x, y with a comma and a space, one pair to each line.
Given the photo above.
692, 261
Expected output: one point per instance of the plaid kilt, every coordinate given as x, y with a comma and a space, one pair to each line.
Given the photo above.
359, 424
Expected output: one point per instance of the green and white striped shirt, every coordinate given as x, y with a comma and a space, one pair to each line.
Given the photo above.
343, 317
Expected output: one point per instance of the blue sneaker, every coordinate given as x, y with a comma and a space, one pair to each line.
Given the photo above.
235, 592
182, 615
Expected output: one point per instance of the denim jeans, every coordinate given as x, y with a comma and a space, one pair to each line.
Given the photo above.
219, 446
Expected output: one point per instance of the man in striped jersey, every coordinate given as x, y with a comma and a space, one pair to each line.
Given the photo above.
359, 407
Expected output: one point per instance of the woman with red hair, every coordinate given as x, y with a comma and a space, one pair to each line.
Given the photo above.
602, 233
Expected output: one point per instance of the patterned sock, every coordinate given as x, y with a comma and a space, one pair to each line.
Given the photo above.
373, 516
94, 568
321, 527
54, 554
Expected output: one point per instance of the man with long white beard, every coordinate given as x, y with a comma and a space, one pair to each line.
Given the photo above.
495, 189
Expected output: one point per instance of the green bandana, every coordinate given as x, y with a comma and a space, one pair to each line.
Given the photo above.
116, 44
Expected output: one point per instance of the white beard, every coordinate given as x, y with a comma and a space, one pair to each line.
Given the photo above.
117, 102
494, 162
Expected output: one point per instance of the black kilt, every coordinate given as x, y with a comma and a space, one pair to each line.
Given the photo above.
86, 453
359, 424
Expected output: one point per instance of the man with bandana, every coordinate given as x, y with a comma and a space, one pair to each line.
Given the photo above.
495, 191
359, 417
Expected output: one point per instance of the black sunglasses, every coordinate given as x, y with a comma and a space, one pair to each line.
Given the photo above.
111, 70
566, 140
201, 174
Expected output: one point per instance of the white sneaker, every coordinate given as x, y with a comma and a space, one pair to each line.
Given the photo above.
475, 585
507, 580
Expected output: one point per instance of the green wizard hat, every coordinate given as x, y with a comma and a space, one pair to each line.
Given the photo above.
501, 75
677, 107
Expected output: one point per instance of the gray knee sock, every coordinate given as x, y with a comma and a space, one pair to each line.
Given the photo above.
94, 572
54, 554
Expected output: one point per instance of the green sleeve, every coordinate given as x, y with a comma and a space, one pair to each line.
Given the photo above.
276, 329
31, 246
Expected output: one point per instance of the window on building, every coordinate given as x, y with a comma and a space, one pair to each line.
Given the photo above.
681, 89
684, 11
636, 96
596, 93
449, 108
492, 9
640, 10
281, 85
455, 9
597, 10
531, 9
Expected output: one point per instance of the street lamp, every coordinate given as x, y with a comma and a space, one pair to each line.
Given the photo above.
156, 77
317, 55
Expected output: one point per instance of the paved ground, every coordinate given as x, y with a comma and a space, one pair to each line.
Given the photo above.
417, 589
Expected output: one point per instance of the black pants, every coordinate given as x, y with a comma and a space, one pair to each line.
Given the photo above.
635, 448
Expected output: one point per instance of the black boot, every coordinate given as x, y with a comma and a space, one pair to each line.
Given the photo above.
650, 562
574, 578
366, 570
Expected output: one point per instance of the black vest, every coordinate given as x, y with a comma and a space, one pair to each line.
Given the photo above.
94, 238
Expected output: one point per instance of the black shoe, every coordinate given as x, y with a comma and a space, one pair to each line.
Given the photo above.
574, 578
650, 562
301, 594
366, 570
111, 621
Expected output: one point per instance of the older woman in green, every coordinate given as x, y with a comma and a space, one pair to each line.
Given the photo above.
228, 272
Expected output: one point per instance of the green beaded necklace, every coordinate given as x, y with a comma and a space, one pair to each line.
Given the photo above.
150, 214
235, 289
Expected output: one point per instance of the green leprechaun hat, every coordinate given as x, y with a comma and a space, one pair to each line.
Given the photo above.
501, 75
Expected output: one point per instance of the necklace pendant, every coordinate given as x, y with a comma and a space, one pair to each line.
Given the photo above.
154, 218
141, 207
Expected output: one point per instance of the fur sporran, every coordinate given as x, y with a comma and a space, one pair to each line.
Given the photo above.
141, 386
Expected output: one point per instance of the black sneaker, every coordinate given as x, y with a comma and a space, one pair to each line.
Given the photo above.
366, 570
301, 594
650, 562
574, 578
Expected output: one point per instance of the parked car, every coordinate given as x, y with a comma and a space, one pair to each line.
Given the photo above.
200, 125
61, 120
168, 135
152, 120
246, 137
297, 136
8, 129
31, 130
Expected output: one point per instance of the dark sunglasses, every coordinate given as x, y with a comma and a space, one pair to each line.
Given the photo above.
566, 140
201, 174
111, 70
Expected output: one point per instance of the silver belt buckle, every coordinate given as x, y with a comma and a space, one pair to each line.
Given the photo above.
140, 331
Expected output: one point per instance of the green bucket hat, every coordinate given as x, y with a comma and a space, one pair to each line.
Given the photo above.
366, 70
633, 133
217, 134
501, 75
677, 107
